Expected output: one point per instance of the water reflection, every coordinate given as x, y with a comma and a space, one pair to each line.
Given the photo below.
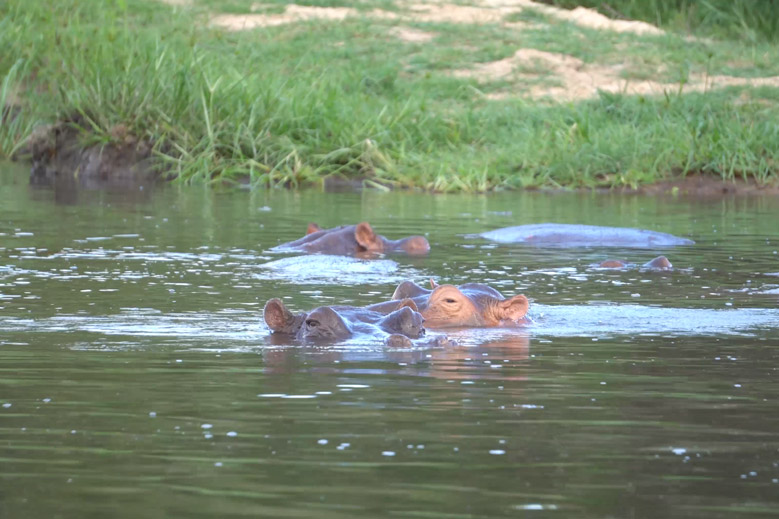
137, 377
69, 190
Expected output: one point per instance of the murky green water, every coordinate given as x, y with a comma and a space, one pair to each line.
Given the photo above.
137, 378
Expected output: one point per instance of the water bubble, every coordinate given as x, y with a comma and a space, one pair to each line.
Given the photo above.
322, 441
679, 450
152, 414
206, 426
497, 452
387, 453
232, 434
7, 405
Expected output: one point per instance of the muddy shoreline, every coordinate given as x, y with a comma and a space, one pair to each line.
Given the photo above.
57, 153
61, 153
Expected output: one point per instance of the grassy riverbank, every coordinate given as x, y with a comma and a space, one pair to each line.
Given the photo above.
293, 103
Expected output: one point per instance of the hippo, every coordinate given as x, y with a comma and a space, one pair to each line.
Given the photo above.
658, 263
468, 305
337, 323
353, 240
569, 235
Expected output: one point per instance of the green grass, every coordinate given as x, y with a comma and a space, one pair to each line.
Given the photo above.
291, 105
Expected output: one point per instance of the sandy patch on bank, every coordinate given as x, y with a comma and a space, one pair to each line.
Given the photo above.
582, 16
483, 11
451, 13
580, 80
292, 13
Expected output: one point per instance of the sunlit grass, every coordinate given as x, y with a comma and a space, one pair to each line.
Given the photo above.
292, 105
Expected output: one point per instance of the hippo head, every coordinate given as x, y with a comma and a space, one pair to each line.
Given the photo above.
448, 306
612, 264
658, 263
324, 323
371, 242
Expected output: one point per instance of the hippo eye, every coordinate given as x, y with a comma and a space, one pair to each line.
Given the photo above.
312, 323
450, 300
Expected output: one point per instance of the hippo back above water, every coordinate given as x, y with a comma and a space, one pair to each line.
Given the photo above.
572, 235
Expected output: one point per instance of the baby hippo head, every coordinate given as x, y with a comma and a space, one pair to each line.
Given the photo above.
406, 320
448, 306
324, 323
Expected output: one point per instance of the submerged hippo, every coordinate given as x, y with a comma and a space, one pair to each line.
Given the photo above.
353, 240
569, 235
336, 323
468, 305
658, 263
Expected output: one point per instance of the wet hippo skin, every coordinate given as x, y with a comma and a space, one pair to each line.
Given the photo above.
658, 263
354, 240
468, 305
568, 235
335, 323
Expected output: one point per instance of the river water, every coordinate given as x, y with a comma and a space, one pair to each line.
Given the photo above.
137, 378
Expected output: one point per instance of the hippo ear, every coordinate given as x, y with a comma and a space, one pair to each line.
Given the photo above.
312, 228
513, 309
367, 239
276, 315
409, 303
408, 289
433, 284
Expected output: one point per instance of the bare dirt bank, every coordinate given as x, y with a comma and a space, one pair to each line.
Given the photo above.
58, 152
